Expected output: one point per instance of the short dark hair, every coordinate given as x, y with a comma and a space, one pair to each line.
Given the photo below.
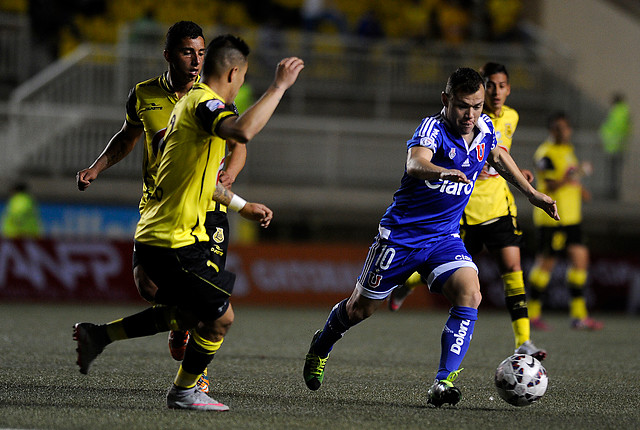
492, 68
555, 116
179, 31
20, 187
223, 52
463, 81
617, 97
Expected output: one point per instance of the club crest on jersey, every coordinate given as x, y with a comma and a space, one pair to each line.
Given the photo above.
374, 280
480, 151
452, 153
218, 236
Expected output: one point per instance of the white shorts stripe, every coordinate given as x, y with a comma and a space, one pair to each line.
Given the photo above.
447, 267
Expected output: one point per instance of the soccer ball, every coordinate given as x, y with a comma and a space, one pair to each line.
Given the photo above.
521, 380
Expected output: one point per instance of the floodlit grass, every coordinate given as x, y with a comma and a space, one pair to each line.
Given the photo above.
376, 377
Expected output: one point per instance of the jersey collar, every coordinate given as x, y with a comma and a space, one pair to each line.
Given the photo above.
481, 125
208, 89
166, 85
484, 130
493, 115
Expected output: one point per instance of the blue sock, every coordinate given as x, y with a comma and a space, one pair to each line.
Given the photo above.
456, 335
337, 324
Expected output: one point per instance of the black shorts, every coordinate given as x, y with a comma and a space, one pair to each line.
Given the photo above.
217, 225
496, 235
185, 278
555, 240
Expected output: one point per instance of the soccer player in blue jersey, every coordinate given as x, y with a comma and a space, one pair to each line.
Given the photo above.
420, 231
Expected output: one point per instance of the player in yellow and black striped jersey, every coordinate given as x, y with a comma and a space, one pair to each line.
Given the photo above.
150, 104
559, 173
172, 217
148, 109
171, 240
489, 220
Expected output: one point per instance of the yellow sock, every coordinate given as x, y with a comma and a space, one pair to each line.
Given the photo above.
576, 279
535, 308
185, 379
578, 308
413, 281
538, 280
516, 301
200, 356
207, 346
521, 330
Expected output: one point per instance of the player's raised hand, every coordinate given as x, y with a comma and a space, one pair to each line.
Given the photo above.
287, 72
84, 178
257, 212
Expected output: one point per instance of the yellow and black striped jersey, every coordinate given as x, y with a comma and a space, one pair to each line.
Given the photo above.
491, 198
555, 161
149, 105
188, 169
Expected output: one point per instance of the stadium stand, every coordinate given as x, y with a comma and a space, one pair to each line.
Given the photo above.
342, 122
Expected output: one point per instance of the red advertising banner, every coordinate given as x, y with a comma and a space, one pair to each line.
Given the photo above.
268, 274
66, 270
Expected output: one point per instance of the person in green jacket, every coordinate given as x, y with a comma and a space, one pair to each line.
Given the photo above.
21, 217
615, 132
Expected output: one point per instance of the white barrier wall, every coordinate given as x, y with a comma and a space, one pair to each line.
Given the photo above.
605, 43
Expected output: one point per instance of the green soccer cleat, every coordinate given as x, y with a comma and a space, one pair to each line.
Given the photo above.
313, 371
443, 391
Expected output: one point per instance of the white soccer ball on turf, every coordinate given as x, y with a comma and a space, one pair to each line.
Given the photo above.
521, 380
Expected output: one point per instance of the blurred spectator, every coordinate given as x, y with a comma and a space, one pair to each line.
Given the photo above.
615, 132
369, 26
419, 19
317, 15
454, 20
21, 217
503, 18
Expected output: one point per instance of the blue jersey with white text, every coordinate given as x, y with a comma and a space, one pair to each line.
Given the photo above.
424, 210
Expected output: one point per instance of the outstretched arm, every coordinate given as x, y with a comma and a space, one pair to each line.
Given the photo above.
244, 127
118, 147
500, 160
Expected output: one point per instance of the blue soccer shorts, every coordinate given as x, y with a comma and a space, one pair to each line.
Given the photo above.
388, 265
